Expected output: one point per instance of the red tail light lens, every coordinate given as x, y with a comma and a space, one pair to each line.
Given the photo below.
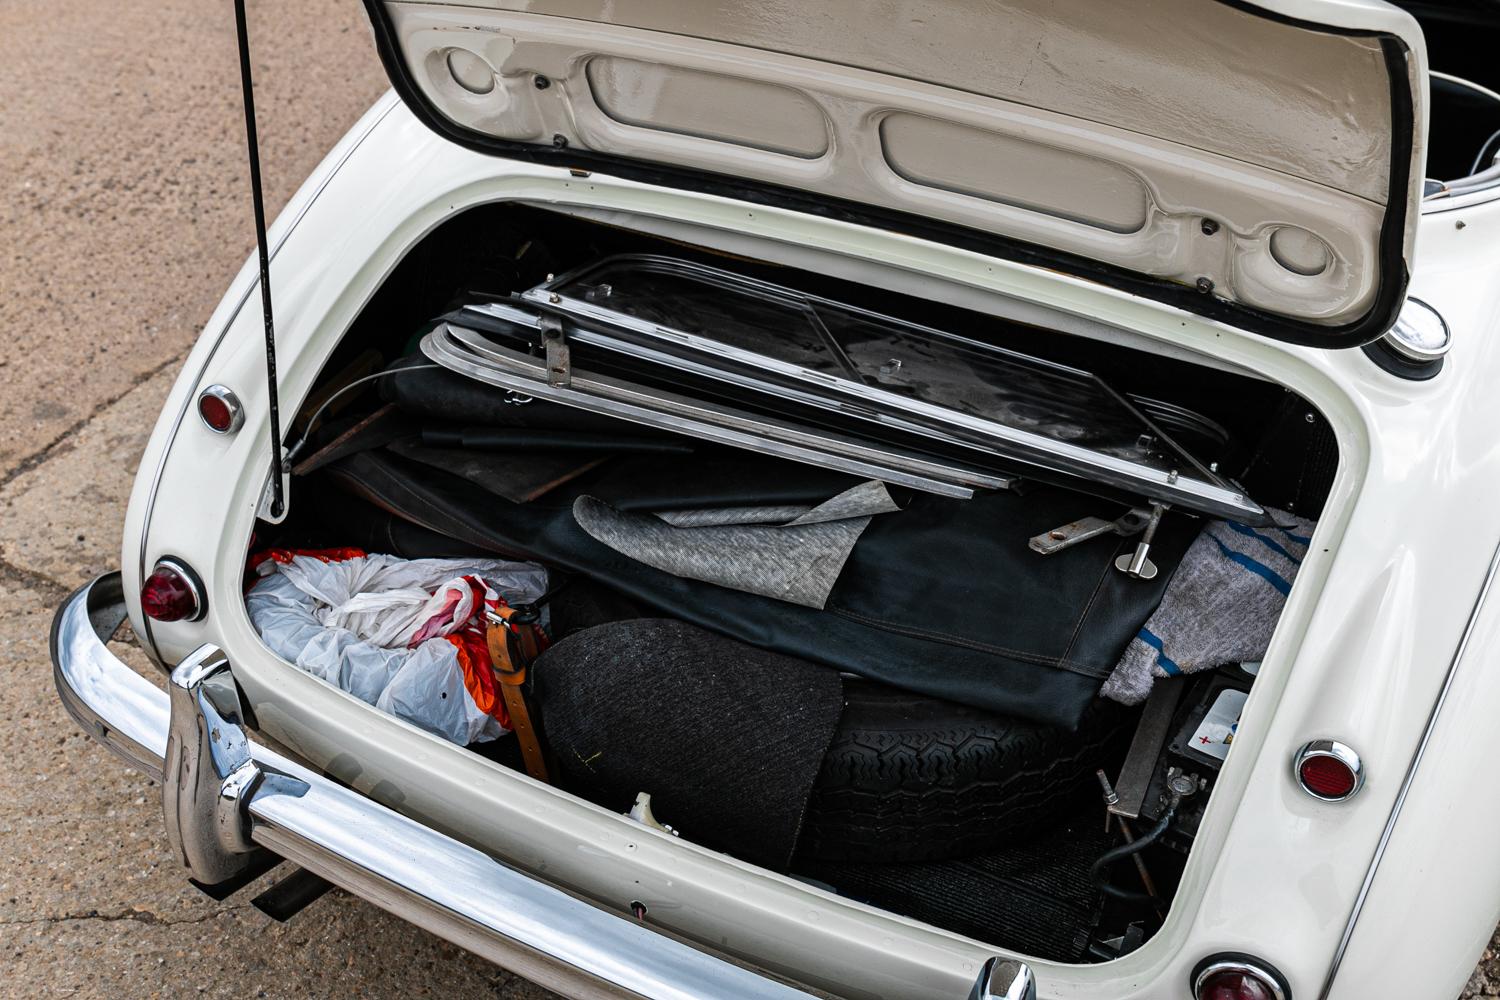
1233, 985
1233, 977
1329, 770
1327, 778
220, 409
172, 593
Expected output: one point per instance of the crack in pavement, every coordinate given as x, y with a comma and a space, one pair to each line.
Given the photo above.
61, 445
64, 441
32, 580
136, 916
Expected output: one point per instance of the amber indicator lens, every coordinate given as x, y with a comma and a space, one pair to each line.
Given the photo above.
169, 596
1327, 777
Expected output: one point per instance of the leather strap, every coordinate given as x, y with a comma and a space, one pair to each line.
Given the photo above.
510, 669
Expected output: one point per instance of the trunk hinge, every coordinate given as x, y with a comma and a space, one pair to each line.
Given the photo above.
252, 148
559, 357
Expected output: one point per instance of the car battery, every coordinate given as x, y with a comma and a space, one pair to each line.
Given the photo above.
1183, 739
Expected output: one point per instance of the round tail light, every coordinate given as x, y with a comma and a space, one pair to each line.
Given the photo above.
220, 409
1329, 770
172, 593
1235, 978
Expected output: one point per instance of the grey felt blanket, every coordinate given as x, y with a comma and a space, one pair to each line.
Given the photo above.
788, 553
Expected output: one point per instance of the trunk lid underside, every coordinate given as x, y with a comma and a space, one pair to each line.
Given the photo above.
1259, 168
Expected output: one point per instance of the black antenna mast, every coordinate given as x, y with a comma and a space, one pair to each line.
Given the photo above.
278, 498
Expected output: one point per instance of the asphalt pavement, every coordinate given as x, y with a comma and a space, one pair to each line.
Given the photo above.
124, 213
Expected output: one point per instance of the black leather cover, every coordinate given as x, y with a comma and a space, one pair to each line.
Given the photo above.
943, 598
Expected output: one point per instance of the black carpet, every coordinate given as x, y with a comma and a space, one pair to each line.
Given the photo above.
1033, 897
726, 738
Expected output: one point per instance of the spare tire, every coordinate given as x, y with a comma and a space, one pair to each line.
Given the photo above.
912, 778
906, 777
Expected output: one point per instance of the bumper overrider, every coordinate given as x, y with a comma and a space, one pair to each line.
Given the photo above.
233, 807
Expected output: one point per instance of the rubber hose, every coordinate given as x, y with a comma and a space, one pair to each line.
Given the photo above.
1098, 870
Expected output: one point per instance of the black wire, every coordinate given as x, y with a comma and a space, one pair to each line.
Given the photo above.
1482, 149
312, 423
252, 147
1098, 871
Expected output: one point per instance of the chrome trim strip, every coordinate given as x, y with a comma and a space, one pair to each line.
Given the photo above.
161, 463
1410, 777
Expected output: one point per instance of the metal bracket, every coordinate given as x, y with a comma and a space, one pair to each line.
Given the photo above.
559, 356
1141, 521
266, 511
1132, 522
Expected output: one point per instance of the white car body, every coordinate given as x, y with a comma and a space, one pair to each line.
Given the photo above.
1385, 644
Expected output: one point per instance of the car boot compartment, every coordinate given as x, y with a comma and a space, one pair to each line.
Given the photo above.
938, 611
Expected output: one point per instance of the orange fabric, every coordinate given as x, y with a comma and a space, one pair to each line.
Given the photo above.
479, 679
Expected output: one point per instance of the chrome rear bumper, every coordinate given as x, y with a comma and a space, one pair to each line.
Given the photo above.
227, 798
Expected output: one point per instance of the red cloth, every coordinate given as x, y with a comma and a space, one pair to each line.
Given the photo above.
473, 650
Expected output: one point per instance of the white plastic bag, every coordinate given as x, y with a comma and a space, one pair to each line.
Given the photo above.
351, 621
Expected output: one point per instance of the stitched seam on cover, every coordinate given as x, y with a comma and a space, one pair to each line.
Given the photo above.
974, 644
1093, 597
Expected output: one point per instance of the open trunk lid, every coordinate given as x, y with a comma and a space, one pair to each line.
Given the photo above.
1256, 163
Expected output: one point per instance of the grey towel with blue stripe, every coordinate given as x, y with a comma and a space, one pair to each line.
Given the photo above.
1220, 607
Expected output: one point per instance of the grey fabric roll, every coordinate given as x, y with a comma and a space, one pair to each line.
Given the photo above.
787, 553
1220, 607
